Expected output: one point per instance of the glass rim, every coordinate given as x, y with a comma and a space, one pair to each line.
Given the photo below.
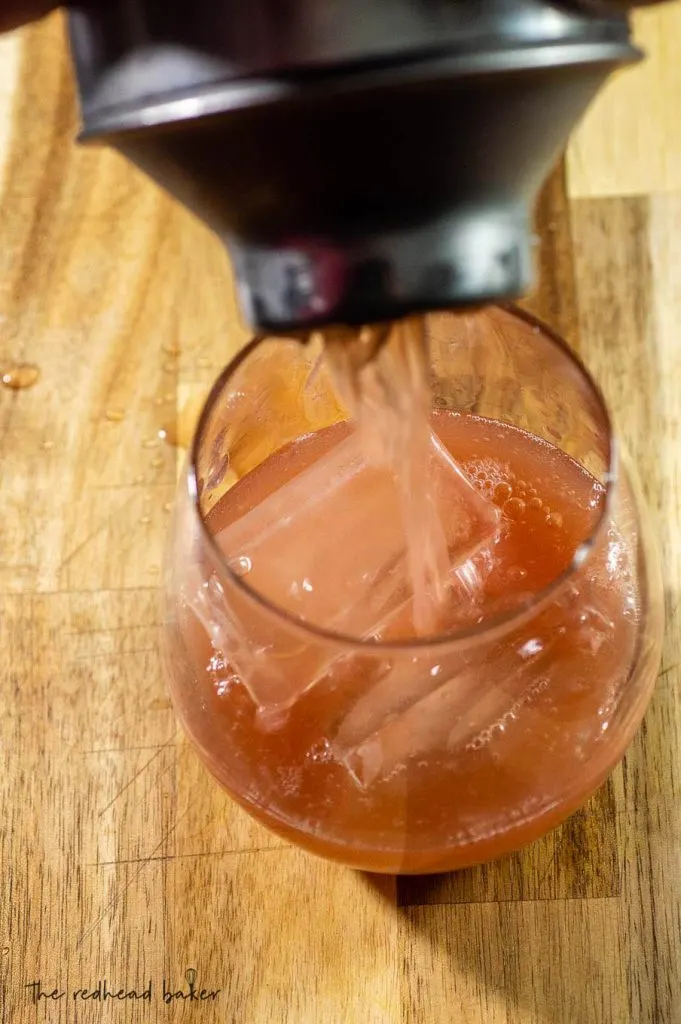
446, 642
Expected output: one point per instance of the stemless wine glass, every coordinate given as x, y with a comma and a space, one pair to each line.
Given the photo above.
430, 754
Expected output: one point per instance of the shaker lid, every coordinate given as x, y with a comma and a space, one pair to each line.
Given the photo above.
370, 174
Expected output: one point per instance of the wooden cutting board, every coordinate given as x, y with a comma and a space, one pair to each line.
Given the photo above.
121, 862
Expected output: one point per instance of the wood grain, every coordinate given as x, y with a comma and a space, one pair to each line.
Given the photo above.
630, 140
554, 296
120, 858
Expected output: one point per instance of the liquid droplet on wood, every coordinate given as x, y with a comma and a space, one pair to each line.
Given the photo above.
180, 432
48, 446
20, 376
114, 415
168, 435
159, 704
151, 442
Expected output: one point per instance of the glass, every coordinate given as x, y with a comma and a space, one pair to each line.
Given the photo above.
420, 755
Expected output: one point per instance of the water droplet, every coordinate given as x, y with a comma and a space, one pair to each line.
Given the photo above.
241, 566
20, 376
514, 508
479, 741
114, 415
159, 704
168, 435
307, 585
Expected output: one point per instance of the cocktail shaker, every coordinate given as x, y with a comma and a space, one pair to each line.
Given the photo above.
361, 159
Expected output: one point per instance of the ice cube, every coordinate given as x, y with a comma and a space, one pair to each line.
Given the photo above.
421, 708
329, 547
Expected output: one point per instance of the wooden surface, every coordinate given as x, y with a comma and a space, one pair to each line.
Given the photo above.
119, 858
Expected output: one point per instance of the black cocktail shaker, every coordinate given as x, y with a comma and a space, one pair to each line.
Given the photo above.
362, 159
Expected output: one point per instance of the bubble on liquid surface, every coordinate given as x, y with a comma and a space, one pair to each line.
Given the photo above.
514, 508
487, 475
289, 779
223, 676
224, 684
502, 492
498, 728
320, 753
